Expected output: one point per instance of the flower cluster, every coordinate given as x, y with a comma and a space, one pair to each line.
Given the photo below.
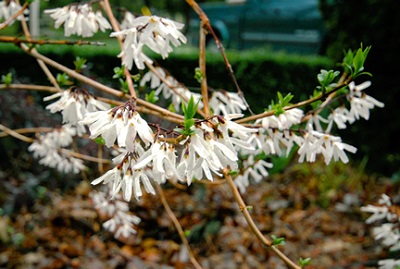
9, 8
128, 20
176, 94
221, 102
49, 147
387, 233
74, 104
154, 32
79, 19
120, 221
360, 106
121, 123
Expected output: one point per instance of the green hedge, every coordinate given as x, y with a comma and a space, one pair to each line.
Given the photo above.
260, 73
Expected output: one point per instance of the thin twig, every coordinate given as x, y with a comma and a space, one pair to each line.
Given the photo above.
178, 226
17, 40
85, 157
116, 27
28, 131
42, 65
14, 16
202, 66
172, 87
207, 25
244, 209
152, 109
29, 87
299, 104
16, 135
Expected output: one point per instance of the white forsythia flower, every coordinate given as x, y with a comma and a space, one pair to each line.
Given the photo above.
120, 221
128, 20
121, 123
223, 102
49, 148
176, 94
154, 32
79, 19
74, 104
360, 103
125, 177
8, 8
389, 264
319, 143
283, 121
381, 211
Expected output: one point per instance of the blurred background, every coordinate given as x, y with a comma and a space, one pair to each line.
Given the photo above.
307, 198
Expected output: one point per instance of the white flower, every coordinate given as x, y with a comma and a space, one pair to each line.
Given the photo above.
74, 103
49, 146
360, 103
283, 121
79, 19
162, 159
120, 221
388, 264
121, 123
380, 212
154, 32
128, 20
339, 116
226, 103
9, 8
124, 177
315, 120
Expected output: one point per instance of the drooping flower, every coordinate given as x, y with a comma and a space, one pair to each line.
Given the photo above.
154, 32
120, 123
74, 104
79, 19
9, 8
126, 176
49, 147
120, 221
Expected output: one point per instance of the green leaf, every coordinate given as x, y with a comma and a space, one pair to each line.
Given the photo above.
198, 75
188, 124
119, 72
7, 79
304, 262
151, 97
63, 80
79, 63
282, 102
276, 241
233, 172
124, 86
171, 107
99, 140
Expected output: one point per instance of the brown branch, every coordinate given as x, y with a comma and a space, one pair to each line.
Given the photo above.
172, 87
151, 108
116, 27
244, 209
178, 226
28, 130
85, 157
299, 104
16, 135
14, 16
29, 87
207, 25
202, 65
17, 41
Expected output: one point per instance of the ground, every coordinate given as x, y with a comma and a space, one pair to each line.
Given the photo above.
315, 208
